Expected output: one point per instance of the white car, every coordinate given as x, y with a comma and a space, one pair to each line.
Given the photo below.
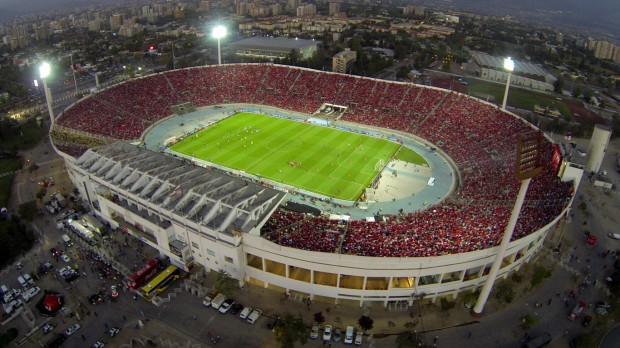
253, 317
358, 338
245, 312
47, 328
98, 344
327, 333
72, 329
614, 235
65, 258
30, 293
314, 333
225, 307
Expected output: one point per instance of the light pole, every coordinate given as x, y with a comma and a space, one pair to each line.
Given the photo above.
44, 71
509, 65
219, 32
528, 165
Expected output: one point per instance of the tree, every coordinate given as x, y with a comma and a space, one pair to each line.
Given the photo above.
293, 57
365, 322
290, 330
319, 318
226, 284
505, 293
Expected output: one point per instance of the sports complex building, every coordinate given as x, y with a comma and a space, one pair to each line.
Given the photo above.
192, 163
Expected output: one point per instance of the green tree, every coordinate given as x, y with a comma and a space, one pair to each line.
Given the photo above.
293, 57
528, 321
365, 322
289, 330
226, 284
505, 293
540, 273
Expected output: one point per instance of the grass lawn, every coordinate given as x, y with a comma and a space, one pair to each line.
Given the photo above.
327, 161
7, 165
517, 97
408, 155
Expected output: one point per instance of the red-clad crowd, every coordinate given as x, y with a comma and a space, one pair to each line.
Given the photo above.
480, 139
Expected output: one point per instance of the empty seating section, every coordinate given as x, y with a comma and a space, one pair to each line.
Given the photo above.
480, 139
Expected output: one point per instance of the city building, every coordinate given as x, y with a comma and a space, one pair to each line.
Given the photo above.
525, 74
334, 8
342, 62
273, 47
604, 50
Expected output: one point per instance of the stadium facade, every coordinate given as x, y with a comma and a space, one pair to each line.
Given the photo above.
197, 216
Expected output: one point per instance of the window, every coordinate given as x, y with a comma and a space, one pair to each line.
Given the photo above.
195, 245
228, 259
210, 252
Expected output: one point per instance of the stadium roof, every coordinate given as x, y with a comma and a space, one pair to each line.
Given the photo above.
272, 43
497, 63
207, 197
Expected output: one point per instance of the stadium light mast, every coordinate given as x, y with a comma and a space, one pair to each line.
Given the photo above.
219, 32
44, 71
528, 166
509, 65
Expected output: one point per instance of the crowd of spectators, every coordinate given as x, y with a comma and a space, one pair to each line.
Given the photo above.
480, 139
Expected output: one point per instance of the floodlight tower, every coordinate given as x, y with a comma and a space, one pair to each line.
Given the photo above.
44, 71
528, 166
509, 65
219, 32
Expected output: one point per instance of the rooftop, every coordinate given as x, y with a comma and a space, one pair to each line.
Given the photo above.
210, 198
273, 43
497, 63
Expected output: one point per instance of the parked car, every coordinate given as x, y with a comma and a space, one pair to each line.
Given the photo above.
225, 307
72, 329
65, 258
236, 308
98, 344
614, 235
337, 335
579, 307
358, 338
314, 332
273, 322
30, 293
47, 328
253, 317
327, 333
113, 331
245, 312
348, 336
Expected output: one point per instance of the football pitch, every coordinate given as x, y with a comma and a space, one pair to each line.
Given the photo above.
323, 160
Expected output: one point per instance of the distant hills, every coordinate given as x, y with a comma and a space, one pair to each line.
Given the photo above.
602, 16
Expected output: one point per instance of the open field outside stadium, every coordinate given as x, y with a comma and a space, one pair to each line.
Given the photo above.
323, 160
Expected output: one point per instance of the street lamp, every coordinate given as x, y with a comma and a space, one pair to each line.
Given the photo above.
219, 32
509, 65
528, 165
44, 71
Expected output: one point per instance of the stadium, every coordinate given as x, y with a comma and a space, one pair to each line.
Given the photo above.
315, 184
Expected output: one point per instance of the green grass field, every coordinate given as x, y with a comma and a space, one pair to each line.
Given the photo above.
328, 161
518, 97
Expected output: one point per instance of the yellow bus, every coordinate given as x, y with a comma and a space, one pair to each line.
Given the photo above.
160, 283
